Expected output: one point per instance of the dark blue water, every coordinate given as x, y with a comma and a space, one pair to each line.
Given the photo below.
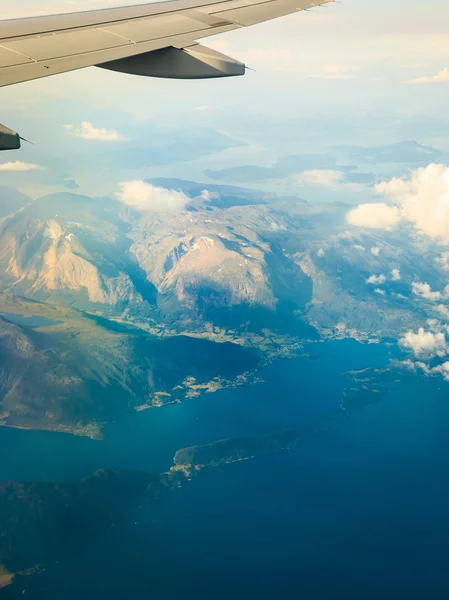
356, 512
294, 392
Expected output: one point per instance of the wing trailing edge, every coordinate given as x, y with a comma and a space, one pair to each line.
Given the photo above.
9, 139
194, 62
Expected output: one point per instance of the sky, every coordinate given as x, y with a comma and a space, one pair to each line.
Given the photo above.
362, 65
365, 50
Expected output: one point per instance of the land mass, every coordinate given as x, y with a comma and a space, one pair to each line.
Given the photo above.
83, 371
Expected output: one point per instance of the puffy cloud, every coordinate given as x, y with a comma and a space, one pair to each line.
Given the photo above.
422, 200
425, 291
395, 275
375, 251
374, 216
321, 253
19, 166
379, 291
425, 344
441, 77
148, 198
88, 132
376, 279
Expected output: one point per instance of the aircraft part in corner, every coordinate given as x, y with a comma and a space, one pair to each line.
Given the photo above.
9, 139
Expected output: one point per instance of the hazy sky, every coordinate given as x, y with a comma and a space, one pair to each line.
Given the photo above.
362, 64
366, 49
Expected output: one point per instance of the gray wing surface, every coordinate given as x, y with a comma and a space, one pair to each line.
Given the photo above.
158, 39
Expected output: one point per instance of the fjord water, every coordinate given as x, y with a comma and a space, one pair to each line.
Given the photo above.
357, 511
292, 392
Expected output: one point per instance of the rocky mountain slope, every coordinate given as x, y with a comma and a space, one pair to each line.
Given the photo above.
204, 264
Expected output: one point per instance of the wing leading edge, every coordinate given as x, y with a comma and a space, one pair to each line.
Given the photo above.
150, 39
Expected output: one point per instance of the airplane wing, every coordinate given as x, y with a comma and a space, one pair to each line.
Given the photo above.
157, 39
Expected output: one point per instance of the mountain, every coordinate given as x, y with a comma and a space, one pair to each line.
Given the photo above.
206, 264
11, 201
231, 263
42, 253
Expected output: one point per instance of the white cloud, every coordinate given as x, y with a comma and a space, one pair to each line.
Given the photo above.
88, 132
375, 251
442, 369
374, 216
379, 291
416, 366
321, 177
19, 166
443, 310
376, 279
434, 324
422, 200
207, 196
149, 198
441, 77
443, 261
395, 275
425, 344
360, 248
321, 253
425, 291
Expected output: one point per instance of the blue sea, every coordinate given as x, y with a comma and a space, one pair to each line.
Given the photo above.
358, 511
